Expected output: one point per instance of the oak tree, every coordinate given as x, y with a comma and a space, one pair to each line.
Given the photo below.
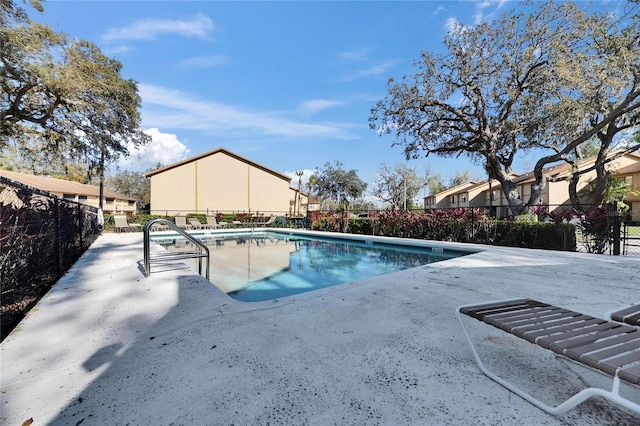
337, 185
63, 99
551, 79
398, 186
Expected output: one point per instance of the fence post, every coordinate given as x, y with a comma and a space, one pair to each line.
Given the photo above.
615, 229
80, 226
58, 240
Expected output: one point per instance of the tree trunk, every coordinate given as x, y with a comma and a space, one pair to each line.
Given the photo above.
509, 189
600, 190
573, 190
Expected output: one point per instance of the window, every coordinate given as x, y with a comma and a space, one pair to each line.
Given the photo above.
82, 198
71, 197
131, 202
453, 198
110, 200
492, 196
464, 198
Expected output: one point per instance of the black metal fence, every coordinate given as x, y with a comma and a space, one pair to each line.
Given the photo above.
41, 236
598, 229
630, 238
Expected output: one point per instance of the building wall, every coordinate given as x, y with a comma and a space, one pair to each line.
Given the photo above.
109, 205
113, 202
632, 198
220, 183
173, 191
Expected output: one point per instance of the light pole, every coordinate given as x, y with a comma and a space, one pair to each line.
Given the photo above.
404, 183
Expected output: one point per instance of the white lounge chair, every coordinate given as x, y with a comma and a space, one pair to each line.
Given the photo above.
611, 347
267, 223
196, 224
121, 224
213, 222
181, 221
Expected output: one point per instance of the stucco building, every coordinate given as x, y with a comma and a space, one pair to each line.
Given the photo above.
631, 174
222, 181
113, 202
555, 193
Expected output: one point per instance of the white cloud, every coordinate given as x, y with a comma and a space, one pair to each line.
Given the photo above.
482, 6
212, 61
485, 10
312, 106
453, 26
149, 29
165, 148
166, 108
374, 70
438, 10
355, 55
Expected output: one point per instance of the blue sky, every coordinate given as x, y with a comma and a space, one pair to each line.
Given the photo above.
287, 84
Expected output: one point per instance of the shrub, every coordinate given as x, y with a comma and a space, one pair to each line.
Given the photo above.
540, 235
456, 225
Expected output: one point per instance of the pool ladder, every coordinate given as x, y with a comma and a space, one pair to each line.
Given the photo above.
201, 252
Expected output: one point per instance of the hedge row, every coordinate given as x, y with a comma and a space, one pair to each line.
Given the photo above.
466, 227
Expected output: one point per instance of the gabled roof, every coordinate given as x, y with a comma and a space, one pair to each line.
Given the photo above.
551, 171
633, 168
218, 151
454, 189
60, 186
561, 168
484, 185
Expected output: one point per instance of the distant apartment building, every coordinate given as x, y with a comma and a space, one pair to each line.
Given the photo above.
222, 181
631, 174
556, 192
112, 202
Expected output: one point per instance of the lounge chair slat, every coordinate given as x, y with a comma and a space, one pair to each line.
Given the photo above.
626, 359
631, 374
619, 315
534, 329
585, 329
613, 351
629, 315
525, 309
599, 359
478, 311
525, 316
633, 319
550, 325
623, 360
589, 340
578, 351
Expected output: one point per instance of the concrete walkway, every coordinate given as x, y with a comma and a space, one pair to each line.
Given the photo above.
107, 346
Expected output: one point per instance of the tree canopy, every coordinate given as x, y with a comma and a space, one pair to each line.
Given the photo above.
398, 186
132, 184
63, 99
552, 79
335, 184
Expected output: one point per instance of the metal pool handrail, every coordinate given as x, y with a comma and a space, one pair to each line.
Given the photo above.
202, 252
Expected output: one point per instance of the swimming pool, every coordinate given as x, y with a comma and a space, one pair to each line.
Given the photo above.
269, 265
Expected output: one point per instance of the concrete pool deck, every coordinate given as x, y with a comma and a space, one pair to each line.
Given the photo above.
107, 346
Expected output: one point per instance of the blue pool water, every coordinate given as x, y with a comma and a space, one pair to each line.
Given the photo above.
267, 266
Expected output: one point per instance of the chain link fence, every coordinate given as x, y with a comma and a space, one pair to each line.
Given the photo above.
631, 238
41, 236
